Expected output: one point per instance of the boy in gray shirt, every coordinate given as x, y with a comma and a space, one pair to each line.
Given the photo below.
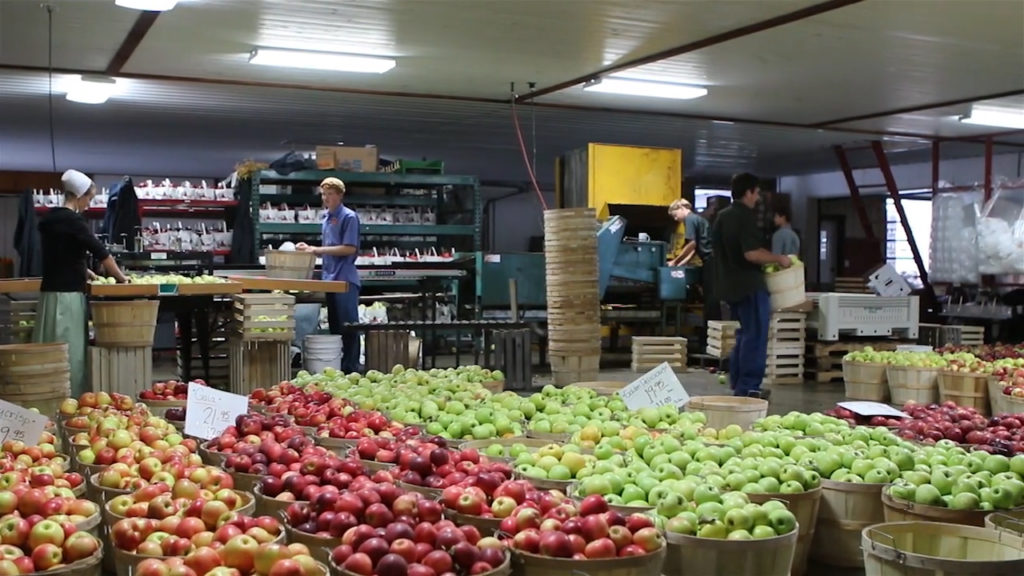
784, 241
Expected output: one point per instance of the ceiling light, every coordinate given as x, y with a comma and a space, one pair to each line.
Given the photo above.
147, 5
321, 60
633, 87
999, 117
91, 89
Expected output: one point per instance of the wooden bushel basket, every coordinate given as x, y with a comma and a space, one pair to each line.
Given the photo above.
125, 324
934, 548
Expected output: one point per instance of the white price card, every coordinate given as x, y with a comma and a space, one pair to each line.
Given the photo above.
872, 409
208, 411
659, 387
17, 423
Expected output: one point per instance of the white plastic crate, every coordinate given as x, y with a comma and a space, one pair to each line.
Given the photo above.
886, 281
864, 315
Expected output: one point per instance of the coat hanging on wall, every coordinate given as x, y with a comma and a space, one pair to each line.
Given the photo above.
26, 238
122, 222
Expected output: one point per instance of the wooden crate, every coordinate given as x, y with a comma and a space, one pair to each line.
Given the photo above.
570, 369
964, 335
17, 320
721, 338
514, 356
651, 351
258, 364
264, 317
854, 285
386, 348
824, 360
126, 371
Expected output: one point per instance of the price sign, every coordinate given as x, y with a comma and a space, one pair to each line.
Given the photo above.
208, 411
659, 387
872, 409
17, 423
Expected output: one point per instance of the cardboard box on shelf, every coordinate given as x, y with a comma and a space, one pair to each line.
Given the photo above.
347, 158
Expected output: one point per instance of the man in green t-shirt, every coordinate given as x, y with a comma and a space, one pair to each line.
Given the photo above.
739, 255
697, 234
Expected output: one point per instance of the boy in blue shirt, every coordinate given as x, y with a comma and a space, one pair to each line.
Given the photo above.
339, 251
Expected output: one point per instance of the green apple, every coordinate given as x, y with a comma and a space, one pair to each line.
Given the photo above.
928, 495
782, 521
1002, 498
713, 510
758, 515
997, 463
876, 476
738, 519
761, 531
595, 485
903, 490
672, 505
791, 487
1017, 465
769, 485
714, 529
965, 501
681, 525
942, 479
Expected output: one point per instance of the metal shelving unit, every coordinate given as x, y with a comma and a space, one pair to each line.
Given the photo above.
455, 201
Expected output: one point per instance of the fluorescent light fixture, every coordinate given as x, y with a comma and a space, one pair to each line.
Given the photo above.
999, 117
321, 60
147, 5
631, 87
91, 89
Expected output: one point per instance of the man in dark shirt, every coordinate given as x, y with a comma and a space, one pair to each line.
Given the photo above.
739, 256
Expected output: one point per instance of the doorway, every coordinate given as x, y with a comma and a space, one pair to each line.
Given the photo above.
830, 233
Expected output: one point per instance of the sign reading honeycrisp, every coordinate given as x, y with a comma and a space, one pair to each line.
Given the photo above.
208, 411
659, 387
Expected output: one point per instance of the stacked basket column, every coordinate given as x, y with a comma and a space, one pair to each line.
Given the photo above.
122, 359
574, 308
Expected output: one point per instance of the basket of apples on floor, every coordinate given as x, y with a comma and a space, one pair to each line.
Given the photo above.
1006, 387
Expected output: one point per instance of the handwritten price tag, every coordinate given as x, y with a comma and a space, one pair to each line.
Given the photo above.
208, 411
17, 423
659, 387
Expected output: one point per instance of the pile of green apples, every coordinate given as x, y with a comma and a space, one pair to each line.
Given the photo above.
815, 424
949, 477
726, 516
868, 355
917, 359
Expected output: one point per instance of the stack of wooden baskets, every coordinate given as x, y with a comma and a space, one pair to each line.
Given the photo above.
35, 375
574, 309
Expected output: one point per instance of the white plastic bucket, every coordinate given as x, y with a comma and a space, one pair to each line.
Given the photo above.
321, 351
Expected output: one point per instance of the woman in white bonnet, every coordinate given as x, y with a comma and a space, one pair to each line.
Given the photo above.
62, 313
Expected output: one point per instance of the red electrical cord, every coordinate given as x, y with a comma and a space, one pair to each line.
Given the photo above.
526, 157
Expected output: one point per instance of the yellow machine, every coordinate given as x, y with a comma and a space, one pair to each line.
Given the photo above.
612, 179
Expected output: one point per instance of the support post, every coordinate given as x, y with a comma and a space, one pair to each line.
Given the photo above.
894, 193
988, 168
858, 204
935, 166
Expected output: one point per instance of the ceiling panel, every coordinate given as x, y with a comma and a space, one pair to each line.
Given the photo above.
188, 128
942, 122
863, 59
455, 47
86, 33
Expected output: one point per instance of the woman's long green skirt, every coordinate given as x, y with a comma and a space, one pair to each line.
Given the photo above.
64, 317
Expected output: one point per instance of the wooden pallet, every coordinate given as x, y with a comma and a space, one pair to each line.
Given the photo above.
264, 317
852, 286
125, 371
824, 360
652, 351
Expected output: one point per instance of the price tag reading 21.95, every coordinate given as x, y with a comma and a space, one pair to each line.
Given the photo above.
208, 411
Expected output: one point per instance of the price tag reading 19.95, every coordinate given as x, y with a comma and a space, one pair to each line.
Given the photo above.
20, 424
208, 411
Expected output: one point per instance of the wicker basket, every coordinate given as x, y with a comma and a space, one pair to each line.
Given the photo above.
911, 384
966, 389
